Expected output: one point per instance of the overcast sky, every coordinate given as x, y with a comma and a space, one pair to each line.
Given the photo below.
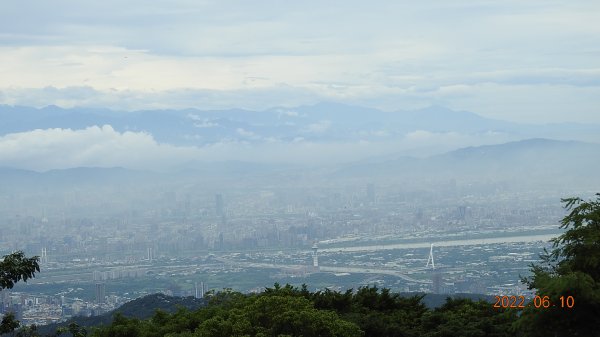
529, 61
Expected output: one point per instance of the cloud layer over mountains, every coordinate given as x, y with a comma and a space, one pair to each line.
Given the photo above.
105, 147
322, 134
90, 147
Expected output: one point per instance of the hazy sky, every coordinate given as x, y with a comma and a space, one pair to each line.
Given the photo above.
532, 61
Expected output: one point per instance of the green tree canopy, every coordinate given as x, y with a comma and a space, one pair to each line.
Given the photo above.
14, 268
234, 314
571, 268
465, 317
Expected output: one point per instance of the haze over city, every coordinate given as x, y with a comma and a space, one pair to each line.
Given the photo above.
178, 147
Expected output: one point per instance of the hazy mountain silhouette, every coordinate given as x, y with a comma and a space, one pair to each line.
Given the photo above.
535, 159
532, 159
319, 122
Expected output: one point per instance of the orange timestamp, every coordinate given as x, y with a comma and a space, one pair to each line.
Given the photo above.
539, 302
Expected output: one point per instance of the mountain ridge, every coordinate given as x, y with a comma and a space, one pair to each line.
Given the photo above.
535, 148
322, 122
534, 158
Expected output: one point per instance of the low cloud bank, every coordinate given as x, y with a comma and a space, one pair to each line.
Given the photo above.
102, 146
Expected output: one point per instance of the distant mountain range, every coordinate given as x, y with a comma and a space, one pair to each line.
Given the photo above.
320, 122
80, 176
532, 159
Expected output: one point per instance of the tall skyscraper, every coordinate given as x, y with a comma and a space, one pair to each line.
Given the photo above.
315, 256
44, 257
100, 292
199, 290
462, 212
150, 254
219, 207
221, 243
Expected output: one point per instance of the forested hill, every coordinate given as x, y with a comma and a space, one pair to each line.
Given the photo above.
141, 308
296, 311
145, 307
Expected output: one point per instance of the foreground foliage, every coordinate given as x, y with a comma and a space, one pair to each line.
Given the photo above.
15, 267
291, 311
572, 268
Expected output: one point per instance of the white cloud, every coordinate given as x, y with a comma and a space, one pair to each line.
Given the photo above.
246, 133
69, 97
206, 124
288, 113
422, 136
94, 146
104, 147
202, 123
319, 127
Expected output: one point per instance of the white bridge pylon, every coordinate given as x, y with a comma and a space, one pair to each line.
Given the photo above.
430, 259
